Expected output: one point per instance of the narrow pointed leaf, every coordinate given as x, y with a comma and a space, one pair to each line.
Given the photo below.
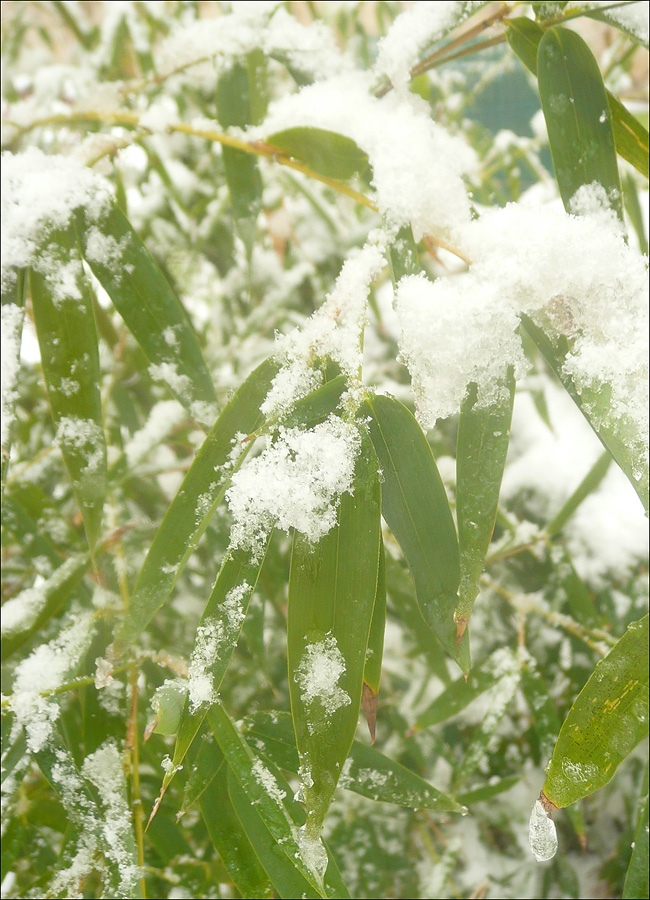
403, 255
482, 447
588, 484
285, 877
367, 771
207, 763
234, 96
636, 879
25, 614
199, 495
375, 651
262, 790
216, 638
151, 310
329, 154
620, 436
461, 692
332, 587
415, 506
606, 722
618, 17
631, 138
230, 840
488, 791
65, 326
577, 116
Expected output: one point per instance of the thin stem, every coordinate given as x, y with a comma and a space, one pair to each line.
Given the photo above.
431, 60
133, 745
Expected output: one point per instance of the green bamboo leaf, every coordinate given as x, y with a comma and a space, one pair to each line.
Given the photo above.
26, 613
375, 649
606, 722
13, 313
199, 495
329, 154
332, 588
235, 96
22, 509
151, 310
461, 692
286, 879
308, 856
578, 119
487, 791
230, 840
636, 879
634, 211
367, 771
317, 406
415, 506
482, 447
619, 436
216, 638
588, 484
65, 326
403, 255
207, 763
631, 138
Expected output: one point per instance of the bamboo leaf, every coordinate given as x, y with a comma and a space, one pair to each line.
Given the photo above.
636, 879
415, 506
332, 588
367, 771
461, 692
375, 649
588, 484
264, 792
199, 495
578, 119
216, 638
620, 436
209, 760
487, 791
403, 255
606, 722
151, 310
631, 138
26, 613
612, 17
230, 840
286, 879
65, 326
325, 152
482, 447
234, 97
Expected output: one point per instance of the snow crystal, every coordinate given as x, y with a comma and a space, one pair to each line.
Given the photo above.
413, 31
296, 482
631, 16
104, 770
162, 419
82, 436
542, 834
317, 675
313, 853
103, 249
20, 612
576, 270
332, 332
45, 669
40, 193
267, 781
212, 636
310, 49
12, 321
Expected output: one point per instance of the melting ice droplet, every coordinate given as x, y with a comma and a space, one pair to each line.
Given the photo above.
541, 834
